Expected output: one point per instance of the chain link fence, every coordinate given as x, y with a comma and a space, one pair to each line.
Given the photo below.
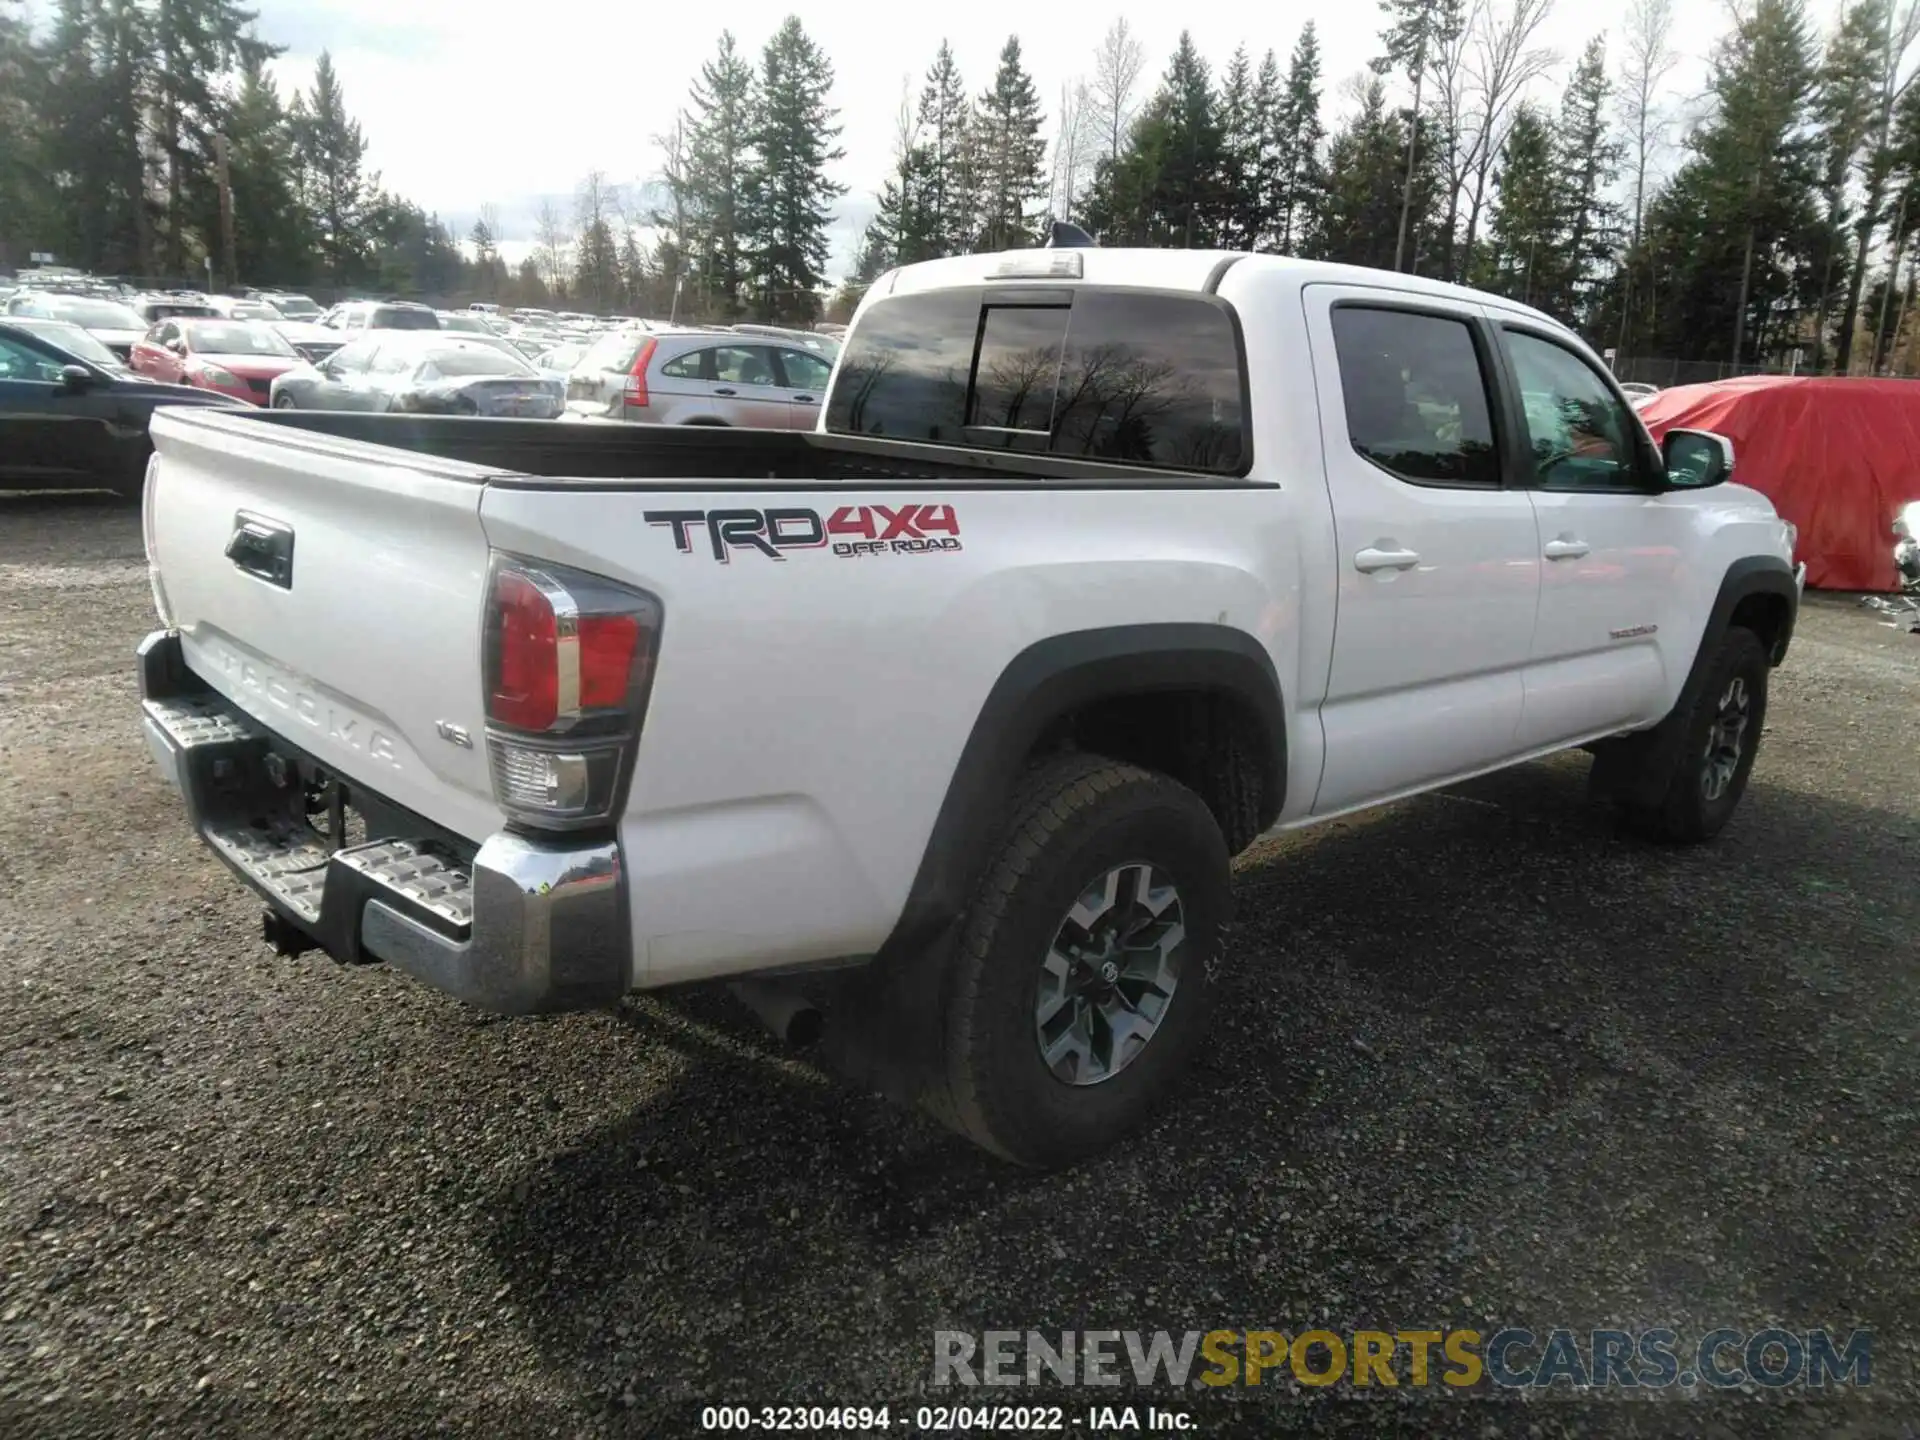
1666, 373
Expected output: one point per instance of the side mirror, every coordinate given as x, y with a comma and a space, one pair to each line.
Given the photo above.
76, 378
1696, 459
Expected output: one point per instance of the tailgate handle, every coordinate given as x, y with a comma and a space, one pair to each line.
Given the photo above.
263, 548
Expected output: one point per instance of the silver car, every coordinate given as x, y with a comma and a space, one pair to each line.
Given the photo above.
698, 377
421, 374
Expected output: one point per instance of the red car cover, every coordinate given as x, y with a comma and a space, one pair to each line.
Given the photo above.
1837, 457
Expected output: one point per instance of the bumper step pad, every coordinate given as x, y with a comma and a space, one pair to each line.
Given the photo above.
422, 875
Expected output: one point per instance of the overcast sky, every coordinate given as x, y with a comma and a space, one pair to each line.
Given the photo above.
467, 102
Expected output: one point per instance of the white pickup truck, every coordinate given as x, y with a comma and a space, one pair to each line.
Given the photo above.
1101, 565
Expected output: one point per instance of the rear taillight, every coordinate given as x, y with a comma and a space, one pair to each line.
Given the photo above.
149, 498
636, 392
569, 661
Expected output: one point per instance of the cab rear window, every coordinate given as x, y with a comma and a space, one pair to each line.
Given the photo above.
1139, 377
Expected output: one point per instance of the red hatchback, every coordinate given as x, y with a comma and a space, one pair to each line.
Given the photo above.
234, 357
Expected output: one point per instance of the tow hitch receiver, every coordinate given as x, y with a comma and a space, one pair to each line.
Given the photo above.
289, 941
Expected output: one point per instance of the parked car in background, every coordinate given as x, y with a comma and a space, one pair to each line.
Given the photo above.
698, 377
534, 342
362, 315
314, 342
114, 325
69, 423
1638, 392
422, 374
463, 322
292, 306
558, 363
152, 309
243, 308
820, 344
235, 357
71, 341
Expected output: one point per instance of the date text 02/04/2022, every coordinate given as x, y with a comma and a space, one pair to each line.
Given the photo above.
944, 1419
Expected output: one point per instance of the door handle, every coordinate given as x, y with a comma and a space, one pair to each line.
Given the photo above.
723, 390
804, 400
1372, 559
1564, 549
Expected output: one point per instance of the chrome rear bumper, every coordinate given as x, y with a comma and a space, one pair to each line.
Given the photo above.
517, 926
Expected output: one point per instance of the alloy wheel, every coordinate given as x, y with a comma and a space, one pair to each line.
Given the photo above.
1109, 974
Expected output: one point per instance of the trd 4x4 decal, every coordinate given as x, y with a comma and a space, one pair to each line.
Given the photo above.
852, 530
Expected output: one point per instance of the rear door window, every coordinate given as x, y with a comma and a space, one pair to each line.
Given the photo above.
743, 365
1141, 377
1416, 395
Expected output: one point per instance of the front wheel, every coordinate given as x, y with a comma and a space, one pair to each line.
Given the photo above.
283, 402
1082, 982
1720, 738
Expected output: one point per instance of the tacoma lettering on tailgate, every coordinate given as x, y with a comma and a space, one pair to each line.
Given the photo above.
341, 727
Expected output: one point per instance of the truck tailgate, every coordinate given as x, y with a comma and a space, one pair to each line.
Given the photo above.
385, 548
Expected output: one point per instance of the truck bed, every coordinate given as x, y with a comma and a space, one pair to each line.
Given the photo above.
540, 451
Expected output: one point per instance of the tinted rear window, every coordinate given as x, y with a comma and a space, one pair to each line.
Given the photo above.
1129, 376
404, 320
477, 361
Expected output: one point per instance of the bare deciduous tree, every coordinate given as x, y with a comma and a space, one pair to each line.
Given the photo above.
1117, 65
1650, 58
1073, 145
1502, 62
552, 240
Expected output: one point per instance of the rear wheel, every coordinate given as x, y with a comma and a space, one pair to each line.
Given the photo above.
1081, 983
283, 402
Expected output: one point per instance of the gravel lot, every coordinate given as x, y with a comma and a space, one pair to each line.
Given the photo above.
1482, 1062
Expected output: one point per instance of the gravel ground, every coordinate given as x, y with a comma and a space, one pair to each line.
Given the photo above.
1482, 1061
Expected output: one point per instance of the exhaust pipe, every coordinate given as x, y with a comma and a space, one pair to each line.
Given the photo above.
793, 1019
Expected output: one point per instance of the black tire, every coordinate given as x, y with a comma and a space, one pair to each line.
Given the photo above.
1075, 820
1695, 807
283, 402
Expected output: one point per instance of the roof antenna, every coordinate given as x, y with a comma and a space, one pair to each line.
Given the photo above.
1068, 236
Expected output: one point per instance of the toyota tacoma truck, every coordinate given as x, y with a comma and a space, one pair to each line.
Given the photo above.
1099, 565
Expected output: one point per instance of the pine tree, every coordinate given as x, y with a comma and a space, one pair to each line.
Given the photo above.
331, 149
596, 264
92, 157
1843, 110
1185, 196
1299, 179
1530, 220
792, 196
1366, 185
1735, 224
21, 198
194, 41
718, 177
946, 182
634, 274
1588, 160
273, 233
1012, 155
1242, 208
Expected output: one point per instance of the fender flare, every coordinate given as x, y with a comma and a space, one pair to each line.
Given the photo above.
1637, 768
1045, 682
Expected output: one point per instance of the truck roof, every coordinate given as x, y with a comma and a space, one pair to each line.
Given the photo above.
1197, 270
